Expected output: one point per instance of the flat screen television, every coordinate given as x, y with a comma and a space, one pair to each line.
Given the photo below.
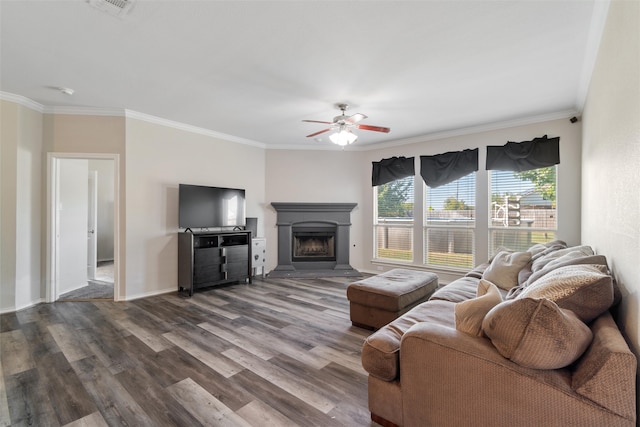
208, 207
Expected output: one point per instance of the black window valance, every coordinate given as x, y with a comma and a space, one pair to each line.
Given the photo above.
387, 170
522, 156
447, 167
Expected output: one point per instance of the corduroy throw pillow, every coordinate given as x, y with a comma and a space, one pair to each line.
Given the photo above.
587, 289
536, 333
504, 268
470, 313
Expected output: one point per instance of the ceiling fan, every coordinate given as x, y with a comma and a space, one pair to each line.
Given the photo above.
343, 124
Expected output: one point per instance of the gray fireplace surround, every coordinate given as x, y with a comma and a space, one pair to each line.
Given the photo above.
320, 218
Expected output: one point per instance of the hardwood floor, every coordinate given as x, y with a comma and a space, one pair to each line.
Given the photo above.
279, 352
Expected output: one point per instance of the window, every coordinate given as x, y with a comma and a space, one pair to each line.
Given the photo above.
394, 220
450, 223
522, 208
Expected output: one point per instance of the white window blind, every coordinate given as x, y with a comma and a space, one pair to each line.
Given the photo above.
449, 224
522, 208
394, 220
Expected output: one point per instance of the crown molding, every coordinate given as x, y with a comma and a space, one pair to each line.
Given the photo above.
506, 124
84, 111
193, 129
21, 100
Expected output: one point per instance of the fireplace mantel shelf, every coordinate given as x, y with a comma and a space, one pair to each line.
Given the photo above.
313, 207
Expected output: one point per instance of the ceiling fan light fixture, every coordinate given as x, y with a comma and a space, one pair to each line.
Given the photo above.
344, 137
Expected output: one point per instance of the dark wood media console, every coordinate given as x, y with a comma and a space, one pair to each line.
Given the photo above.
213, 258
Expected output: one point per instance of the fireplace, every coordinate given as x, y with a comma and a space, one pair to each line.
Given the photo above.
313, 240
309, 245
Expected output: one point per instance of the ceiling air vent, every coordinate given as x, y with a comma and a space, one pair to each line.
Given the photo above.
113, 7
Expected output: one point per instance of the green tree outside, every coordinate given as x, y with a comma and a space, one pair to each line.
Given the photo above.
544, 180
393, 199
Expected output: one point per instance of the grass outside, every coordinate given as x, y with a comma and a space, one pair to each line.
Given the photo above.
433, 258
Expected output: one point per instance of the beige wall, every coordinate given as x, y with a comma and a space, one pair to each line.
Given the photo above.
610, 159
21, 263
158, 159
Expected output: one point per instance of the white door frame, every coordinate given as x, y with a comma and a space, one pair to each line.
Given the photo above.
53, 165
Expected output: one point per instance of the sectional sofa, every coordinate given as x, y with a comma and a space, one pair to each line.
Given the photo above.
525, 339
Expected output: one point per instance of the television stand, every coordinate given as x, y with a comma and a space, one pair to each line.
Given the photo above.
213, 258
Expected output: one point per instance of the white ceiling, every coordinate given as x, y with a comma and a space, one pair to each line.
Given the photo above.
254, 70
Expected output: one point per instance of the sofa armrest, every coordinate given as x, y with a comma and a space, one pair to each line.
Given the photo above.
606, 372
451, 378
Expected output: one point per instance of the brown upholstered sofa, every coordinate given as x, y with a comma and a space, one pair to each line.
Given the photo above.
526, 339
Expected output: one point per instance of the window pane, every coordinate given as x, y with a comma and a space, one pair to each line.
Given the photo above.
394, 243
523, 208
449, 247
394, 222
450, 223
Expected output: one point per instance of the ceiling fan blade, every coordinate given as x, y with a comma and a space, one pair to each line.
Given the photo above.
374, 128
355, 118
319, 132
318, 121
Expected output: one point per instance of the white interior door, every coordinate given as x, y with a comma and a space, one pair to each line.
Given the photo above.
92, 225
72, 207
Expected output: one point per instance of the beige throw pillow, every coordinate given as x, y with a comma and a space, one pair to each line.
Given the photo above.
504, 269
470, 313
587, 289
536, 333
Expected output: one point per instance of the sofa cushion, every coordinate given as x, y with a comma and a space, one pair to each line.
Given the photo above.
570, 258
547, 257
459, 290
381, 350
587, 290
469, 314
504, 268
536, 333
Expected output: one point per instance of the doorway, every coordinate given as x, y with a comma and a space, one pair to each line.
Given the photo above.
83, 227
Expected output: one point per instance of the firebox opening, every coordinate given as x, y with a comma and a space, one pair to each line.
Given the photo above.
314, 246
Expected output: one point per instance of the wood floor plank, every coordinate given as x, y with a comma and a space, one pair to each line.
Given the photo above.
224, 366
314, 361
115, 403
5, 419
72, 347
257, 413
208, 410
28, 400
15, 352
66, 391
252, 346
283, 379
154, 399
155, 342
9, 322
94, 419
351, 361
295, 410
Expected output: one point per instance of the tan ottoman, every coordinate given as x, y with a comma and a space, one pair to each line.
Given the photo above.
377, 300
